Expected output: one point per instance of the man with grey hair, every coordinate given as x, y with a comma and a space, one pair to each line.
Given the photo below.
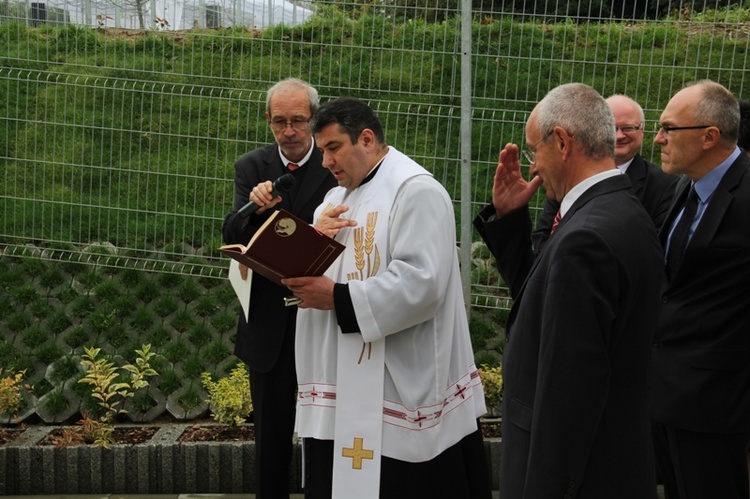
700, 399
653, 187
575, 418
265, 338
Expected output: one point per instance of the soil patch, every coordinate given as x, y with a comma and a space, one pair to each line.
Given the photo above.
217, 433
9, 434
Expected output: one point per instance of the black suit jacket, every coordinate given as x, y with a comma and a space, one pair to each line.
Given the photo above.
259, 342
701, 353
575, 415
653, 188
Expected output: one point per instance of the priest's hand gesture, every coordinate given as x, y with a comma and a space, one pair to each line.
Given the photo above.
315, 292
510, 191
330, 222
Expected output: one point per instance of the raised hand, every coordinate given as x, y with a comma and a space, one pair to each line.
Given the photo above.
510, 191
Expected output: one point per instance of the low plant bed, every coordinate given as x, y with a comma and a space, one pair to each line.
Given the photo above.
200, 431
120, 435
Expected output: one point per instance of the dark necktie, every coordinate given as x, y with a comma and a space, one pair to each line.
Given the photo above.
679, 239
292, 166
555, 222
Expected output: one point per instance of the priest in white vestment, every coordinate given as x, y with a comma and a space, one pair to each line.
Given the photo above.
389, 395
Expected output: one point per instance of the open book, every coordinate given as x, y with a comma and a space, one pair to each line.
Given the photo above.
286, 246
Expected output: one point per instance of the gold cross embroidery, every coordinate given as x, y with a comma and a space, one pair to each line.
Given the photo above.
357, 453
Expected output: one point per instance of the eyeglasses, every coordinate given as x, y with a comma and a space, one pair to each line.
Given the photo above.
296, 124
629, 128
666, 129
530, 151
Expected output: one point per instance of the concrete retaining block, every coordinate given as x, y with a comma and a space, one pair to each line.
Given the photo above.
161, 466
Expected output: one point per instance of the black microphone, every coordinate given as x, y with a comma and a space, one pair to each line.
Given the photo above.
281, 185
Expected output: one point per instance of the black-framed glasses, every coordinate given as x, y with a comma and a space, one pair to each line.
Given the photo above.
666, 129
297, 124
629, 128
530, 151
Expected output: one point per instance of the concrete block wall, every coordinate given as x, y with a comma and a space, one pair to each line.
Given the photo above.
161, 466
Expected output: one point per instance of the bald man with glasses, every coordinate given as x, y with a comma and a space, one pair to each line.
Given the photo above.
653, 187
700, 358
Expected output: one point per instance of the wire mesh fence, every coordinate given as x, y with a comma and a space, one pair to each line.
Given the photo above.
120, 121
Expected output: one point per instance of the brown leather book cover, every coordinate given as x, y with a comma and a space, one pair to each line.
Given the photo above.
285, 246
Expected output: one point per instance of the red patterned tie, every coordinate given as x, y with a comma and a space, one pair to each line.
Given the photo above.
555, 222
292, 166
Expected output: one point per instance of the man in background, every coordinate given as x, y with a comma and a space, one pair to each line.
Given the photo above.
653, 187
575, 366
700, 397
389, 394
265, 341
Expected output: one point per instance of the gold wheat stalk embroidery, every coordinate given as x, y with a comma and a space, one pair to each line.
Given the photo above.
364, 244
372, 219
359, 251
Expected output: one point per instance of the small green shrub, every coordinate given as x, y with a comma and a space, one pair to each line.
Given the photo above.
193, 366
143, 402
48, 352
101, 320
217, 351
199, 335
41, 309
189, 291
107, 291
9, 354
59, 322
63, 369
76, 337
118, 336
169, 280
229, 397
111, 394
169, 381
34, 336
206, 305
190, 399
91, 278
25, 294
492, 382
224, 321
158, 335
83, 306
147, 290
166, 305
11, 397
67, 295
42, 387
142, 318
176, 350
182, 320
18, 321
55, 402
131, 278
52, 278
123, 306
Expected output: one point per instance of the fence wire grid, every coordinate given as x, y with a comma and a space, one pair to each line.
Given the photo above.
119, 137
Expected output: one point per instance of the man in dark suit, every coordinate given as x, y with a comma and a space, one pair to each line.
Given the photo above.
575, 418
653, 187
700, 401
266, 340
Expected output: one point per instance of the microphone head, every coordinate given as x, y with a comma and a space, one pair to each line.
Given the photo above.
285, 182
